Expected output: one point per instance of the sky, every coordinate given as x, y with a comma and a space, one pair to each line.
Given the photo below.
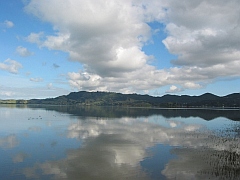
53, 47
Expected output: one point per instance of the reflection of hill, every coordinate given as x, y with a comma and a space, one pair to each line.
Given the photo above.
116, 112
206, 114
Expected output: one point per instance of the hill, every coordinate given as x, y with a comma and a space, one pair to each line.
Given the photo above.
136, 100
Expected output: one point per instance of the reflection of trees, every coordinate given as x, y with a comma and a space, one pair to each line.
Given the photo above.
99, 111
234, 129
217, 158
203, 163
223, 164
13, 105
206, 114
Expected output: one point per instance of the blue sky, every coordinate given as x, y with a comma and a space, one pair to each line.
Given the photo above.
156, 47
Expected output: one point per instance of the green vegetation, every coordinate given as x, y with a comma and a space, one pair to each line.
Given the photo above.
84, 98
12, 101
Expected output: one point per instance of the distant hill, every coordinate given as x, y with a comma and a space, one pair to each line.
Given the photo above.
136, 100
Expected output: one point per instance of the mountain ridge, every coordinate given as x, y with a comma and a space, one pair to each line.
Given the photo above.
100, 98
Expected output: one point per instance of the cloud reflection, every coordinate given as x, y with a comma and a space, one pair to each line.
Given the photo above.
35, 129
114, 148
97, 159
9, 141
20, 157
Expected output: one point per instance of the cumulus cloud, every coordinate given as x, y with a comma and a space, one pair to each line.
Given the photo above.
205, 39
107, 37
8, 24
191, 85
49, 85
174, 89
185, 85
35, 38
24, 52
11, 66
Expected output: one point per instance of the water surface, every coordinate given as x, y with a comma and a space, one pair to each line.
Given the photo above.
66, 142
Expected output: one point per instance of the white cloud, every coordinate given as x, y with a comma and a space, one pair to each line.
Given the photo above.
35, 38
107, 37
191, 85
20, 87
205, 39
8, 24
7, 93
24, 52
31, 92
36, 79
149, 77
11, 66
174, 89
50, 86
28, 73
84, 79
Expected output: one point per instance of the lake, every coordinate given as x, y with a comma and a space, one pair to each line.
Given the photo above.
67, 142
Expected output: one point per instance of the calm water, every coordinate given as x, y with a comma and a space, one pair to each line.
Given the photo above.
118, 143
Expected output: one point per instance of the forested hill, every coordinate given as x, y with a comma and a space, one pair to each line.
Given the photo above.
136, 100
